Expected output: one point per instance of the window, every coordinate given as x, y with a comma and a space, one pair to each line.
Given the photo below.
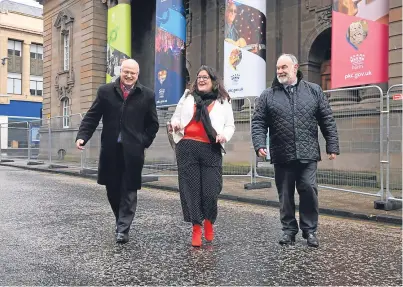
66, 51
36, 51
36, 58
14, 48
14, 54
66, 113
14, 83
35, 87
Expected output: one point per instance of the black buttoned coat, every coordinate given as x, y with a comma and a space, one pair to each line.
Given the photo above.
135, 118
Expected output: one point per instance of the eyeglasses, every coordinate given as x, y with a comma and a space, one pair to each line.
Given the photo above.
129, 73
202, 78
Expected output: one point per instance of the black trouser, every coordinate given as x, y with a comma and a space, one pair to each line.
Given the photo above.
301, 175
200, 179
123, 201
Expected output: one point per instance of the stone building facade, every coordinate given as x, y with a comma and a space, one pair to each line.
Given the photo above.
21, 65
21, 55
77, 28
301, 27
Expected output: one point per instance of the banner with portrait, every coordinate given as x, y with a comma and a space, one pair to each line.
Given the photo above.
245, 48
360, 37
170, 38
119, 40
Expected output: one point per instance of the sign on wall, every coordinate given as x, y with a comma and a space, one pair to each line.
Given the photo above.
119, 40
245, 48
170, 39
360, 39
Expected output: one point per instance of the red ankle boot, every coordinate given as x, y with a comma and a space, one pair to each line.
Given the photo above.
197, 236
208, 230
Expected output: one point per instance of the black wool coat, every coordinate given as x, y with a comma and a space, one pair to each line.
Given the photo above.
293, 122
136, 118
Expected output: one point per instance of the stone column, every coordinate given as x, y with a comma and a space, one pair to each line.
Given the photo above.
26, 71
395, 42
3, 68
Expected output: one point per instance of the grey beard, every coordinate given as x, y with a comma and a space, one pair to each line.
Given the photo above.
283, 80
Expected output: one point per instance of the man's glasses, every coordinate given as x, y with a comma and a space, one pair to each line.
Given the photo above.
129, 73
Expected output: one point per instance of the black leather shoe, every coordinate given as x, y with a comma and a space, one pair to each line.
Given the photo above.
287, 239
122, 238
311, 239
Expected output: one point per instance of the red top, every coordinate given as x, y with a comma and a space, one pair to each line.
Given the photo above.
195, 130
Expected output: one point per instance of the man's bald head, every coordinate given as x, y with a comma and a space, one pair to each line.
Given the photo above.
131, 64
130, 70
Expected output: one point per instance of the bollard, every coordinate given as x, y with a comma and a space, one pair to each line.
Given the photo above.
49, 142
29, 140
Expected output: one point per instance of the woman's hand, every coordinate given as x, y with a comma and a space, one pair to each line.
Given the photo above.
221, 139
170, 129
175, 127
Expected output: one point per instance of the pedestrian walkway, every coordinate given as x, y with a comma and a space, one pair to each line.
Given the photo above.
330, 201
59, 230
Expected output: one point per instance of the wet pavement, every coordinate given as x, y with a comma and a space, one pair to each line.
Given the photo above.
58, 230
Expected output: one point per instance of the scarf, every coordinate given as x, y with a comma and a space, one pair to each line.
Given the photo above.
202, 102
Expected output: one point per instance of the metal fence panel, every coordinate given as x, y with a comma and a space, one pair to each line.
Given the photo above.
357, 169
62, 149
392, 131
369, 127
358, 118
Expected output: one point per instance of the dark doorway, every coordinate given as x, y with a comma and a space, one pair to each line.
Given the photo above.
319, 59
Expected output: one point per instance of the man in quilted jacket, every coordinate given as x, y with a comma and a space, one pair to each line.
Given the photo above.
292, 109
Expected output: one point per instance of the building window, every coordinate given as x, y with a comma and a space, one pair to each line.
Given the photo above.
36, 58
14, 84
36, 51
35, 87
66, 51
14, 48
66, 113
14, 54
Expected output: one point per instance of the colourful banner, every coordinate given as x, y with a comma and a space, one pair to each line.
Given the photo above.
119, 40
360, 37
245, 48
170, 39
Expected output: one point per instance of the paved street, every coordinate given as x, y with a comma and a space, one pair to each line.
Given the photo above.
58, 230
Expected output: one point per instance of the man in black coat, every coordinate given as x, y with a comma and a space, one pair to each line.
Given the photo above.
292, 109
130, 124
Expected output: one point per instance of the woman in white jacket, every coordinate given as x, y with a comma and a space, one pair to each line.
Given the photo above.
202, 123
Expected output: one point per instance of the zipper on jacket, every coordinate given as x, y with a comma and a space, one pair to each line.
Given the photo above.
292, 99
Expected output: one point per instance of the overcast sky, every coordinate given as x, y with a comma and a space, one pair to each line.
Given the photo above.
27, 2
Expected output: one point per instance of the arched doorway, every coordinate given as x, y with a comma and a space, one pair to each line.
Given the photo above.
319, 60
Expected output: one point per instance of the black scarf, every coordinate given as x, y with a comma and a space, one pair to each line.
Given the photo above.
202, 102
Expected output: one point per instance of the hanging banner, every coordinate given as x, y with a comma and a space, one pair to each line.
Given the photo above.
245, 48
119, 40
170, 38
360, 37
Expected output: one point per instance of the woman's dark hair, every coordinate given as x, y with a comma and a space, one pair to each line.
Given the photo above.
218, 86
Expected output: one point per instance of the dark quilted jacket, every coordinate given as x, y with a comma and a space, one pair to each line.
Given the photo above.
293, 127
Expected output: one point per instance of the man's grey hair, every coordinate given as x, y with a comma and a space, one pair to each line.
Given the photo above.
291, 56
